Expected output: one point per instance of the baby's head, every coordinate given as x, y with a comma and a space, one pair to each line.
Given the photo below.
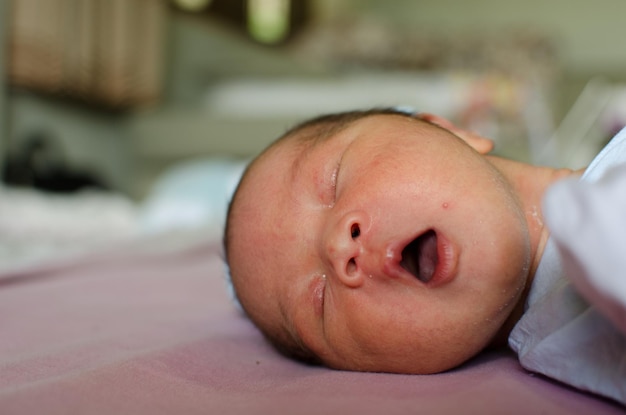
377, 241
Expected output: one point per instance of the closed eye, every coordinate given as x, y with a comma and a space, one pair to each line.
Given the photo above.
335, 178
319, 295
333, 181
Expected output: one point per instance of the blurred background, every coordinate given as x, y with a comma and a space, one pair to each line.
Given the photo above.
121, 116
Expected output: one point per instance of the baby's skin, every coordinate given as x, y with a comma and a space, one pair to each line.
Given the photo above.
381, 241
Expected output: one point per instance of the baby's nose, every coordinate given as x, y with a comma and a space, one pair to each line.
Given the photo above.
344, 248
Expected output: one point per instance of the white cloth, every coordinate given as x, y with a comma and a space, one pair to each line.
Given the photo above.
577, 304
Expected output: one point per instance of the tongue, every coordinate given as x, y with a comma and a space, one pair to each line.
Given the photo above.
420, 256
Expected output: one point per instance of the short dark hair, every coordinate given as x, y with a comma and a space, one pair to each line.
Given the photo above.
317, 128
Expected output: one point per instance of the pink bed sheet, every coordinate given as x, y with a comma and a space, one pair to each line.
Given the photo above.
135, 331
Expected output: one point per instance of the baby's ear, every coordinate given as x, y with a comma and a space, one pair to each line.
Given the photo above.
477, 142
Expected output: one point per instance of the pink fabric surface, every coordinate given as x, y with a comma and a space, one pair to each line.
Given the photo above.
135, 331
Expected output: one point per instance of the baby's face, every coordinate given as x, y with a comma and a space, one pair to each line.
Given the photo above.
392, 246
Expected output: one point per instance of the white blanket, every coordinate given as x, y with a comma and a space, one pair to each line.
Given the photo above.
573, 329
588, 224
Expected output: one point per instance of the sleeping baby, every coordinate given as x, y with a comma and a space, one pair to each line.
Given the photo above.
388, 241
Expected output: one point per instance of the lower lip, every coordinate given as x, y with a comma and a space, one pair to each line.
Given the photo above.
445, 270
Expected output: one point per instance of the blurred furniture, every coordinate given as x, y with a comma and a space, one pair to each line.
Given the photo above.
105, 52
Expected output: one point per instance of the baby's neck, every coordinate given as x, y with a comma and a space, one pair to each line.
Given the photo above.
529, 183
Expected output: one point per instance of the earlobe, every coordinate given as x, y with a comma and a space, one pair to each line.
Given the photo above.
479, 143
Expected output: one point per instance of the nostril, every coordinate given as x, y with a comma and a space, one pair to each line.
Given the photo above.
355, 231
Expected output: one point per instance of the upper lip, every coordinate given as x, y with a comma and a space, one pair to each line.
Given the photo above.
446, 263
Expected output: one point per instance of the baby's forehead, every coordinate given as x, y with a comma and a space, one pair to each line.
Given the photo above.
295, 146
288, 151
281, 159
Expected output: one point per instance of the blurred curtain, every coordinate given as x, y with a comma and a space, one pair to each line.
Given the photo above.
107, 52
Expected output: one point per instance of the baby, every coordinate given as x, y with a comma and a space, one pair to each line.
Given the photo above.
392, 242
385, 241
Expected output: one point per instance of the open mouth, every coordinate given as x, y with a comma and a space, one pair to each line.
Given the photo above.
420, 257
